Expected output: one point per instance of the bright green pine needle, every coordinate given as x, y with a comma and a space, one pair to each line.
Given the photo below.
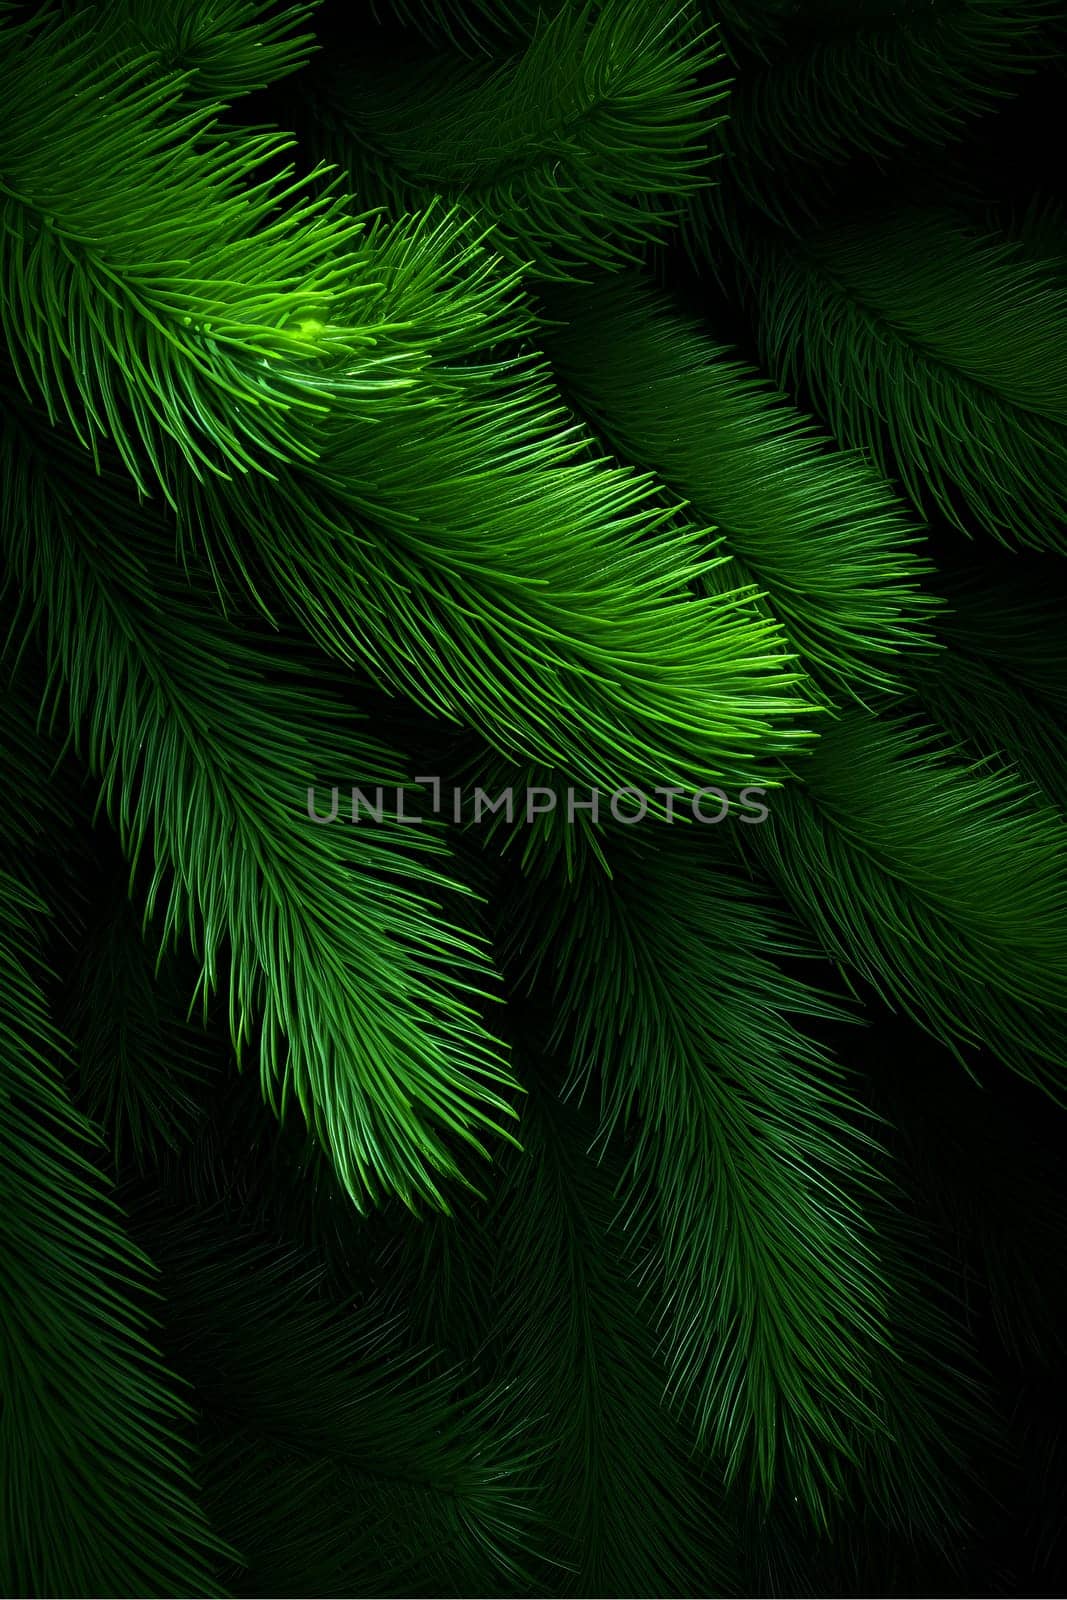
329, 937
544, 586
494, 565
818, 530
509, 574
153, 293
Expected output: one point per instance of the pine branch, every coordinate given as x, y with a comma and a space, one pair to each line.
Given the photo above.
706, 1319
943, 885
820, 532
984, 713
941, 353
579, 150
745, 1170
196, 326
796, 1317
418, 544
583, 649
329, 938
221, 49
625, 1506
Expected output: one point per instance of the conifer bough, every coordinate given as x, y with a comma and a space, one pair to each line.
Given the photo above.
267, 369
696, 1326
338, 956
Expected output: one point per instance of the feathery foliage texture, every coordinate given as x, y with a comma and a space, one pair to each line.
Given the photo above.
343, 921
579, 150
533, 716
940, 351
818, 531
221, 50
720, 1080
220, 367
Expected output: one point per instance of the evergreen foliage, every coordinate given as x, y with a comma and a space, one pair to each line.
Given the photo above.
660, 396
